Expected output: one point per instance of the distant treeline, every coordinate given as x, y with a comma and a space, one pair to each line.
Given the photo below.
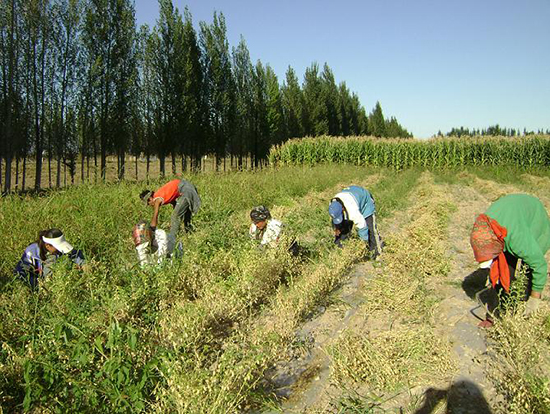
79, 81
495, 131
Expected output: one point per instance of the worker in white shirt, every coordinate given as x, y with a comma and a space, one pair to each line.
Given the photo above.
354, 205
151, 245
264, 228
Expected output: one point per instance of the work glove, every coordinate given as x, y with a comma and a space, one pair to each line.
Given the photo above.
531, 306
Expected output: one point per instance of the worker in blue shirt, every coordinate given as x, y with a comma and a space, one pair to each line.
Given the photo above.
354, 205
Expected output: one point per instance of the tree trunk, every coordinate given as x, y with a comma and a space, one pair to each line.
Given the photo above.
23, 181
137, 176
17, 172
162, 160
147, 168
103, 161
58, 178
95, 167
49, 169
7, 174
82, 156
122, 165
174, 171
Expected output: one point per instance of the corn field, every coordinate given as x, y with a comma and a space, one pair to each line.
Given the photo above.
525, 152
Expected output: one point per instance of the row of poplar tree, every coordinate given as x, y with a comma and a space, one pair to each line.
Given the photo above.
79, 82
493, 130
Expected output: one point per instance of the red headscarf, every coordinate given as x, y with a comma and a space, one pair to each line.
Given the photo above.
487, 240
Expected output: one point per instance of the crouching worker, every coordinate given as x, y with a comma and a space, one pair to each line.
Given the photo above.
514, 227
183, 196
268, 231
355, 205
39, 256
264, 228
151, 245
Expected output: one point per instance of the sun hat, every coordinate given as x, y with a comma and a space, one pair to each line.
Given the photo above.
260, 213
59, 243
336, 212
146, 195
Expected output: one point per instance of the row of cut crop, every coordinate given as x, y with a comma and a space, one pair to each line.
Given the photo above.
230, 382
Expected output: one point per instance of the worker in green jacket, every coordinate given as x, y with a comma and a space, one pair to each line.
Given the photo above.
514, 227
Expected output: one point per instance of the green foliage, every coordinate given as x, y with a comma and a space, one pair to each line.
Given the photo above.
527, 152
108, 337
80, 80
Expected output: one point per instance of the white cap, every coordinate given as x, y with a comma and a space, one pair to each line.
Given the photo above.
59, 243
486, 264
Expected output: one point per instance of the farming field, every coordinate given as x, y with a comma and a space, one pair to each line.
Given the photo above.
230, 328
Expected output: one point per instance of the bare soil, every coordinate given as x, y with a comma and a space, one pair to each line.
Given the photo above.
135, 170
303, 382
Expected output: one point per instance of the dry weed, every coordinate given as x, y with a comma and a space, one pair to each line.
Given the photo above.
401, 348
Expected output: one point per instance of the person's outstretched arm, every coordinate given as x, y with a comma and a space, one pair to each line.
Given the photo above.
156, 208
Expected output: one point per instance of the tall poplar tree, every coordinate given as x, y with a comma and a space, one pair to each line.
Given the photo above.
330, 97
11, 103
98, 54
377, 124
294, 112
317, 120
346, 115
194, 108
124, 77
37, 29
244, 128
63, 93
274, 108
259, 114
219, 85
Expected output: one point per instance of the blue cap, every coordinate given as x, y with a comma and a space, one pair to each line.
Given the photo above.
336, 212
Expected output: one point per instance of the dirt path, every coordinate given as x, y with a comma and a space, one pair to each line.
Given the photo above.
303, 383
304, 380
469, 391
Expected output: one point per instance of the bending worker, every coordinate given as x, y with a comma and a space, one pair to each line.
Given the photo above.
183, 196
36, 262
514, 227
355, 205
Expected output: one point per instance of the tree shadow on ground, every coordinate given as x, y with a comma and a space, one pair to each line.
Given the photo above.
461, 397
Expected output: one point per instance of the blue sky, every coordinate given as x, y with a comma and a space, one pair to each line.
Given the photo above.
433, 65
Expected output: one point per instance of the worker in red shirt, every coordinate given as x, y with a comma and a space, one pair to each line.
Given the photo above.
183, 196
